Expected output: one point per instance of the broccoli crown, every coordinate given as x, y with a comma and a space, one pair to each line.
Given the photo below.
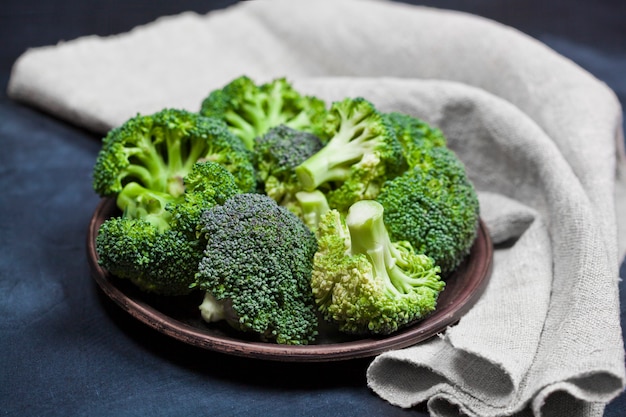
161, 262
250, 110
415, 135
276, 155
208, 184
159, 250
365, 283
258, 261
157, 151
361, 153
434, 206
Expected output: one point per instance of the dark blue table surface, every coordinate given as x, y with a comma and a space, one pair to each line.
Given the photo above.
67, 350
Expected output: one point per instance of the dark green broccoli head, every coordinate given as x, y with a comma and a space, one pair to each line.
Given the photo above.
362, 281
157, 151
276, 155
361, 153
159, 249
433, 206
258, 261
415, 135
250, 110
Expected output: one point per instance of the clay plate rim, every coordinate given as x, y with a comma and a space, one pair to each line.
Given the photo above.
463, 289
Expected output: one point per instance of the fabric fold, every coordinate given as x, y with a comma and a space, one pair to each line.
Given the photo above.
536, 132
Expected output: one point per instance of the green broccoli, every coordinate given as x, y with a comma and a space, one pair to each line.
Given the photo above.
250, 110
415, 135
256, 270
361, 153
365, 283
208, 184
156, 151
156, 243
139, 202
276, 154
310, 207
434, 206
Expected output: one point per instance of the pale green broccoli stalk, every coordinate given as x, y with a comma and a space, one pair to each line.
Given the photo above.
157, 151
276, 155
250, 110
434, 206
139, 202
363, 282
361, 153
156, 243
256, 270
310, 207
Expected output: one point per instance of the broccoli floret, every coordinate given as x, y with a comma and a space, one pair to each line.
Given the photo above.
161, 262
415, 135
156, 243
139, 202
361, 153
364, 282
276, 155
157, 151
433, 206
250, 110
256, 270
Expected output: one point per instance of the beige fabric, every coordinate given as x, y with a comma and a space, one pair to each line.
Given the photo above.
537, 133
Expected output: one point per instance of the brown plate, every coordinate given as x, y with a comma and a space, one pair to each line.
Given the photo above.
179, 317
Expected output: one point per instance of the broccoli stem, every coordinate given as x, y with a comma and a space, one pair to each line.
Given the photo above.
166, 174
242, 128
140, 173
174, 171
405, 282
370, 237
258, 116
211, 310
301, 121
314, 205
149, 167
275, 105
196, 153
275, 112
334, 161
139, 202
146, 163
417, 273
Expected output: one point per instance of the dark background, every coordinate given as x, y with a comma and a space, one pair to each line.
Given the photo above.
65, 349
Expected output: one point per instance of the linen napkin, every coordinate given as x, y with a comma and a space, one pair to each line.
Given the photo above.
538, 134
